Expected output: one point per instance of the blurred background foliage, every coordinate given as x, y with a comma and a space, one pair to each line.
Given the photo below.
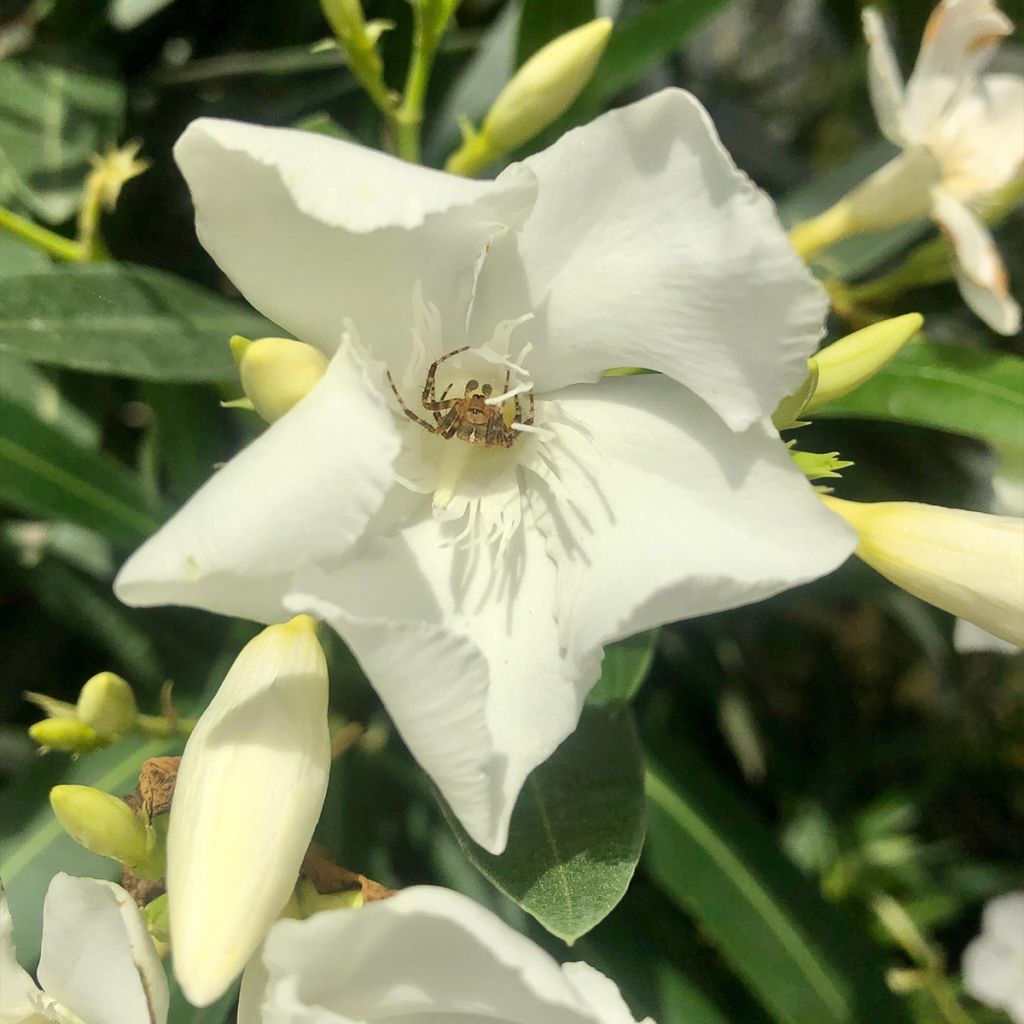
807, 763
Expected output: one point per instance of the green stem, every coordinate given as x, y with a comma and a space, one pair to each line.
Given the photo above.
158, 726
57, 246
408, 118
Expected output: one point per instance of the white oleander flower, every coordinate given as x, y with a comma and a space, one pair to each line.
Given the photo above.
962, 136
477, 577
247, 797
97, 964
424, 954
993, 963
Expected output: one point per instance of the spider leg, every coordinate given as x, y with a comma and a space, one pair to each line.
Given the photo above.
435, 406
408, 412
448, 426
533, 410
429, 384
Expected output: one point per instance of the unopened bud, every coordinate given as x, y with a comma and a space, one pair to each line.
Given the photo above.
68, 735
158, 922
847, 363
106, 703
968, 563
107, 826
277, 372
538, 94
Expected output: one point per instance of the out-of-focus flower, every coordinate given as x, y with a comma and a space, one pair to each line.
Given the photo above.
993, 964
247, 797
98, 963
425, 953
962, 139
463, 495
967, 563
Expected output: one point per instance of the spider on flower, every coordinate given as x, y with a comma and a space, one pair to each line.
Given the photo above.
476, 417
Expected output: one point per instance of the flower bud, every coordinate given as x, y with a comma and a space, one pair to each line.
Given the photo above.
68, 735
108, 827
277, 372
106, 703
847, 363
968, 563
247, 797
539, 93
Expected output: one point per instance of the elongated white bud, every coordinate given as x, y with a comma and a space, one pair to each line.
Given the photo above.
247, 797
967, 563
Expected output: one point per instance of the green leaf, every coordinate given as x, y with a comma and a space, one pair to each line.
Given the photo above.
964, 391
30, 388
797, 953
577, 829
20, 257
541, 21
123, 320
52, 120
35, 847
624, 669
43, 473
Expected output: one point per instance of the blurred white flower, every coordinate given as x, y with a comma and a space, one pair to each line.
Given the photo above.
247, 797
462, 496
962, 136
423, 954
97, 964
993, 963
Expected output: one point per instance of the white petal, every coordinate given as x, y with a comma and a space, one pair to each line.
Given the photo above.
959, 40
884, 78
97, 958
669, 515
1003, 920
981, 141
247, 797
647, 247
969, 638
313, 229
968, 563
423, 951
979, 268
464, 652
16, 987
601, 994
897, 193
990, 974
304, 490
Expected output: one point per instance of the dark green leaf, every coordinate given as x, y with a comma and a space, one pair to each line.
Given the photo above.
20, 257
28, 386
964, 391
124, 320
624, 669
541, 21
42, 473
577, 829
52, 120
712, 855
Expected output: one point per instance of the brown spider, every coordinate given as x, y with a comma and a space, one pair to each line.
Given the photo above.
469, 418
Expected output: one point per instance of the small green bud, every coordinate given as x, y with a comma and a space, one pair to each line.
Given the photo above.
537, 95
68, 735
277, 372
106, 703
107, 826
158, 922
239, 346
309, 902
847, 363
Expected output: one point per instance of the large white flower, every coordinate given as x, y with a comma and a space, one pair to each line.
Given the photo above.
962, 136
425, 954
477, 582
98, 963
993, 964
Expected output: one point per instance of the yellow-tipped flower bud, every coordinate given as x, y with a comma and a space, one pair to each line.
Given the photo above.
107, 826
277, 372
68, 735
538, 94
968, 563
106, 704
847, 363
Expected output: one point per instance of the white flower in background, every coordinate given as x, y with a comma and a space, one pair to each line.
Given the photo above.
247, 797
476, 577
968, 563
97, 964
993, 964
423, 954
962, 136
